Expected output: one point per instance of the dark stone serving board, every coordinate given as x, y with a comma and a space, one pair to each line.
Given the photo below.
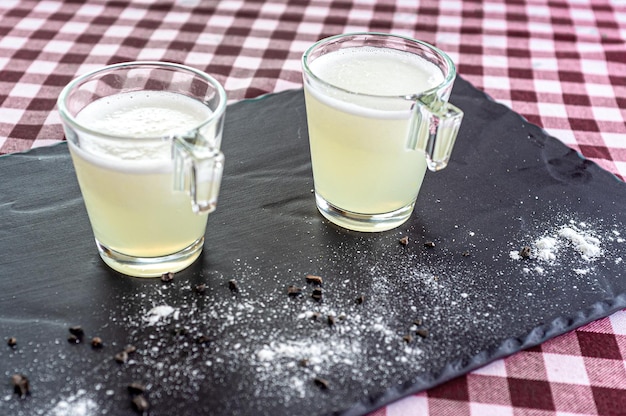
508, 185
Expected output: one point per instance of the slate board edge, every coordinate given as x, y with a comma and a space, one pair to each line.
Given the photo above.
536, 336
508, 347
541, 129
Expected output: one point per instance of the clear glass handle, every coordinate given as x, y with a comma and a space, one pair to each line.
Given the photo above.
434, 131
198, 171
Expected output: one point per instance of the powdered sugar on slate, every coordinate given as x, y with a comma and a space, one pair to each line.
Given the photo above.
371, 330
586, 244
157, 313
78, 404
575, 243
279, 344
578, 237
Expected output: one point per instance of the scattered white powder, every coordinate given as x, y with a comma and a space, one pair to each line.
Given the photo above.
266, 355
314, 352
546, 248
157, 313
580, 245
587, 245
76, 405
276, 345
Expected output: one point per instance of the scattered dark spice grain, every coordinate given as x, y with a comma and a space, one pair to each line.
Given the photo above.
404, 241
407, 338
317, 294
466, 253
140, 403
21, 386
303, 362
96, 342
316, 280
121, 357
200, 289
525, 252
316, 316
232, 285
360, 300
203, 339
331, 320
429, 244
422, 332
12, 342
77, 331
321, 383
73, 339
136, 388
167, 277
294, 291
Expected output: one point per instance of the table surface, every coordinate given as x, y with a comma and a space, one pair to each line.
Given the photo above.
560, 64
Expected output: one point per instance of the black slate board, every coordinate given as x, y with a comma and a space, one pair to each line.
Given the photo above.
508, 184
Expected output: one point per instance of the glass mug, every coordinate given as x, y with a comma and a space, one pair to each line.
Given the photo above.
145, 139
378, 116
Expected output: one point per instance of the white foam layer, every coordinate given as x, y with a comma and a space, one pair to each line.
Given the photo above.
377, 71
144, 114
374, 72
136, 129
91, 151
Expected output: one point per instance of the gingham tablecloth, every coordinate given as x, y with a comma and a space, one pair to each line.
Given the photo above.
561, 64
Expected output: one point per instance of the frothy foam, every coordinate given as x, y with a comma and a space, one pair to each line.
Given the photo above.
144, 114
382, 77
377, 71
136, 127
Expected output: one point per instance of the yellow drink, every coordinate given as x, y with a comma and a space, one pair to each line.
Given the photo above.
361, 164
136, 213
362, 161
128, 185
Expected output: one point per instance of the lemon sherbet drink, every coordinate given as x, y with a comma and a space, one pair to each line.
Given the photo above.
128, 189
361, 162
130, 149
360, 103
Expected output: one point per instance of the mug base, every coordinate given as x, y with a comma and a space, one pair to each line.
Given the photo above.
150, 266
368, 223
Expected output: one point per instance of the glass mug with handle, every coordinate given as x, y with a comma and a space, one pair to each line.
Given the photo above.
145, 139
378, 117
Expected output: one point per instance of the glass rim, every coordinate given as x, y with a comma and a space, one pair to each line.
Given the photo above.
447, 81
70, 119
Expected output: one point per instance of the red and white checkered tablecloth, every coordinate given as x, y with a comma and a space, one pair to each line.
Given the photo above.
561, 64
